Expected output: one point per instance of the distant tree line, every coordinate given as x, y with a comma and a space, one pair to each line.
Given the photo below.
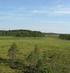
64, 36
22, 33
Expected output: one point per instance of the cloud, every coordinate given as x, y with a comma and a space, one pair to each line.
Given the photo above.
58, 10
39, 11
62, 12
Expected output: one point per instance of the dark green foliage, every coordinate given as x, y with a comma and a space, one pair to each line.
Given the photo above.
35, 63
33, 57
3, 61
65, 36
12, 52
21, 33
36, 68
12, 55
32, 64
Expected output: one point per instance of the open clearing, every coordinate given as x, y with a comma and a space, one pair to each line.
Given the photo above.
56, 49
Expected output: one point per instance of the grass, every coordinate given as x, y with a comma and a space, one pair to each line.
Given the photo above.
57, 51
6, 69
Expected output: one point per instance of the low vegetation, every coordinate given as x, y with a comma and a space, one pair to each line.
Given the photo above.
34, 55
33, 52
65, 36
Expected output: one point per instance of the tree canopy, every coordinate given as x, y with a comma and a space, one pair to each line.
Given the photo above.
21, 33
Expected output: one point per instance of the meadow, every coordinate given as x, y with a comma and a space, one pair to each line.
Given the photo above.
57, 51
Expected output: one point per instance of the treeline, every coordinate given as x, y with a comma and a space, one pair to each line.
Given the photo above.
64, 36
22, 33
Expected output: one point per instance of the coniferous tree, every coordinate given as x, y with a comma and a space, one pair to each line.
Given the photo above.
12, 55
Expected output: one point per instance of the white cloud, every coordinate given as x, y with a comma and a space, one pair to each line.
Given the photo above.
62, 12
58, 10
40, 11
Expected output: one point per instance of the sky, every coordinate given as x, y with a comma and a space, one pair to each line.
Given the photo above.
38, 15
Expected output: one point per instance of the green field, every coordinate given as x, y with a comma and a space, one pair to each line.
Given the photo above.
57, 49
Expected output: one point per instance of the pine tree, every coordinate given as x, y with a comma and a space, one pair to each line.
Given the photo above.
12, 55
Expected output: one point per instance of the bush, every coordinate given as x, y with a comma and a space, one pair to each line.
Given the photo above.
64, 36
12, 55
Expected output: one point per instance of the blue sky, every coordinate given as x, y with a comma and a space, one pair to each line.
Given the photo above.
41, 15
